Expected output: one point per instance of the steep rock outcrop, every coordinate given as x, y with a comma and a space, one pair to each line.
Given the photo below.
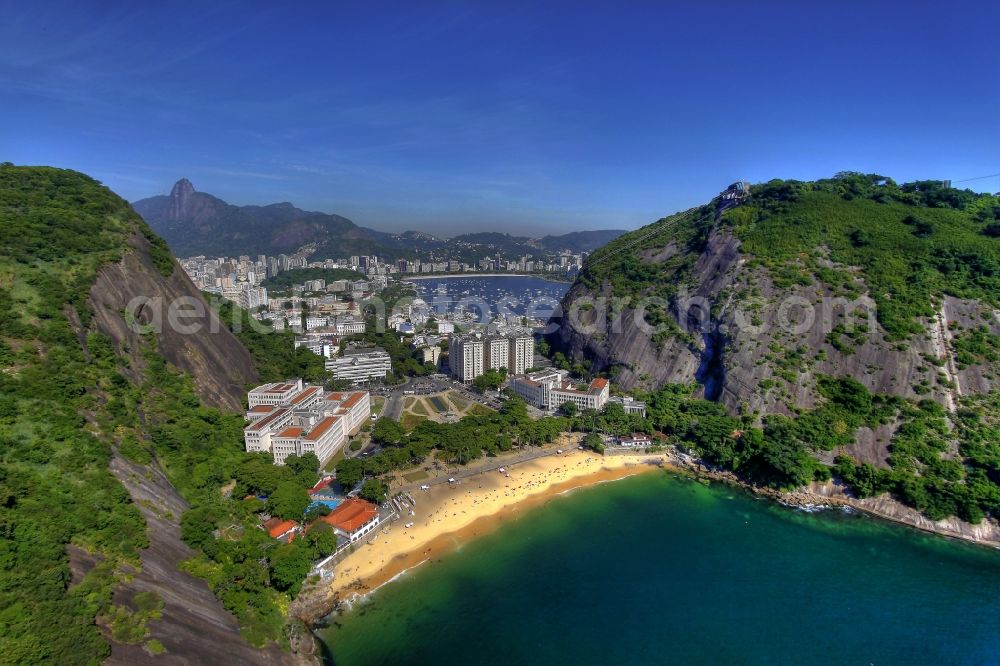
755, 332
192, 339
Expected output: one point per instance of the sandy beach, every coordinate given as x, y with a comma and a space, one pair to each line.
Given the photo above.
448, 515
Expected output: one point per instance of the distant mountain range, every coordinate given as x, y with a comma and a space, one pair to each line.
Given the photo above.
197, 223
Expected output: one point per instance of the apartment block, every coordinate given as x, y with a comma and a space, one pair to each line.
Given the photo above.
360, 365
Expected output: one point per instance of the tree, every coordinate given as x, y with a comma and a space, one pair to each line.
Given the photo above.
350, 471
568, 408
388, 432
304, 468
315, 511
491, 379
289, 565
321, 540
289, 501
374, 490
594, 442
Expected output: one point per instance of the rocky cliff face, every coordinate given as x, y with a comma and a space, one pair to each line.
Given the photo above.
755, 333
188, 333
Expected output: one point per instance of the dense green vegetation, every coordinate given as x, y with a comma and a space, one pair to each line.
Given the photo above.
976, 346
273, 352
626, 266
781, 452
289, 278
912, 242
68, 397
57, 228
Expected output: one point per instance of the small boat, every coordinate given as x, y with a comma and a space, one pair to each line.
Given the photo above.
408, 525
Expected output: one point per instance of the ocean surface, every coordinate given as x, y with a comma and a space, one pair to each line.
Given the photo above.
489, 296
661, 569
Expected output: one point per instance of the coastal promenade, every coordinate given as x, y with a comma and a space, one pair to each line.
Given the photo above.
444, 474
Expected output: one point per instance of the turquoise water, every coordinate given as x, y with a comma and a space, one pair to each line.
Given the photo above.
660, 569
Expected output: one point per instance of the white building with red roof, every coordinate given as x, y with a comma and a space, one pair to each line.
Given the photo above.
550, 389
353, 518
290, 418
354, 406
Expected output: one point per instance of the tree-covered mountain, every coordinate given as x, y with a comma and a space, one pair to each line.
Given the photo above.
115, 424
764, 303
195, 223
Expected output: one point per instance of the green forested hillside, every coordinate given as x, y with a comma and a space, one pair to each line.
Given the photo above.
56, 229
913, 242
907, 247
69, 398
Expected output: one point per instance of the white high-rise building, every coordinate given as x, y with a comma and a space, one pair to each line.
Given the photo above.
466, 357
496, 352
521, 354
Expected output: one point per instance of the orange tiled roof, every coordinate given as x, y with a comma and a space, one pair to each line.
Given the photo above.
292, 431
354, 399
266, 422
260, 409
320, 429
276, 526
599, 383
351, 514
302, 395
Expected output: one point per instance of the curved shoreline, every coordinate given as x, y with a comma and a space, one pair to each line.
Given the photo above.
364, 571
452, 515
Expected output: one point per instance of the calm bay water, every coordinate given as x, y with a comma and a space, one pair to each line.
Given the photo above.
660, 569
489, 296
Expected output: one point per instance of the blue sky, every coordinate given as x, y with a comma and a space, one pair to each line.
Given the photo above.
529, 117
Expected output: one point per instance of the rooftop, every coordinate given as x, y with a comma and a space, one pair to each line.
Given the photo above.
277, 527
351, 514
304, 394
320, 429
265, 423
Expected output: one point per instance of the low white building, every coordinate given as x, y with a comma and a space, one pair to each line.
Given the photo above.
348, 325
550, 389
630, 405
360, 365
